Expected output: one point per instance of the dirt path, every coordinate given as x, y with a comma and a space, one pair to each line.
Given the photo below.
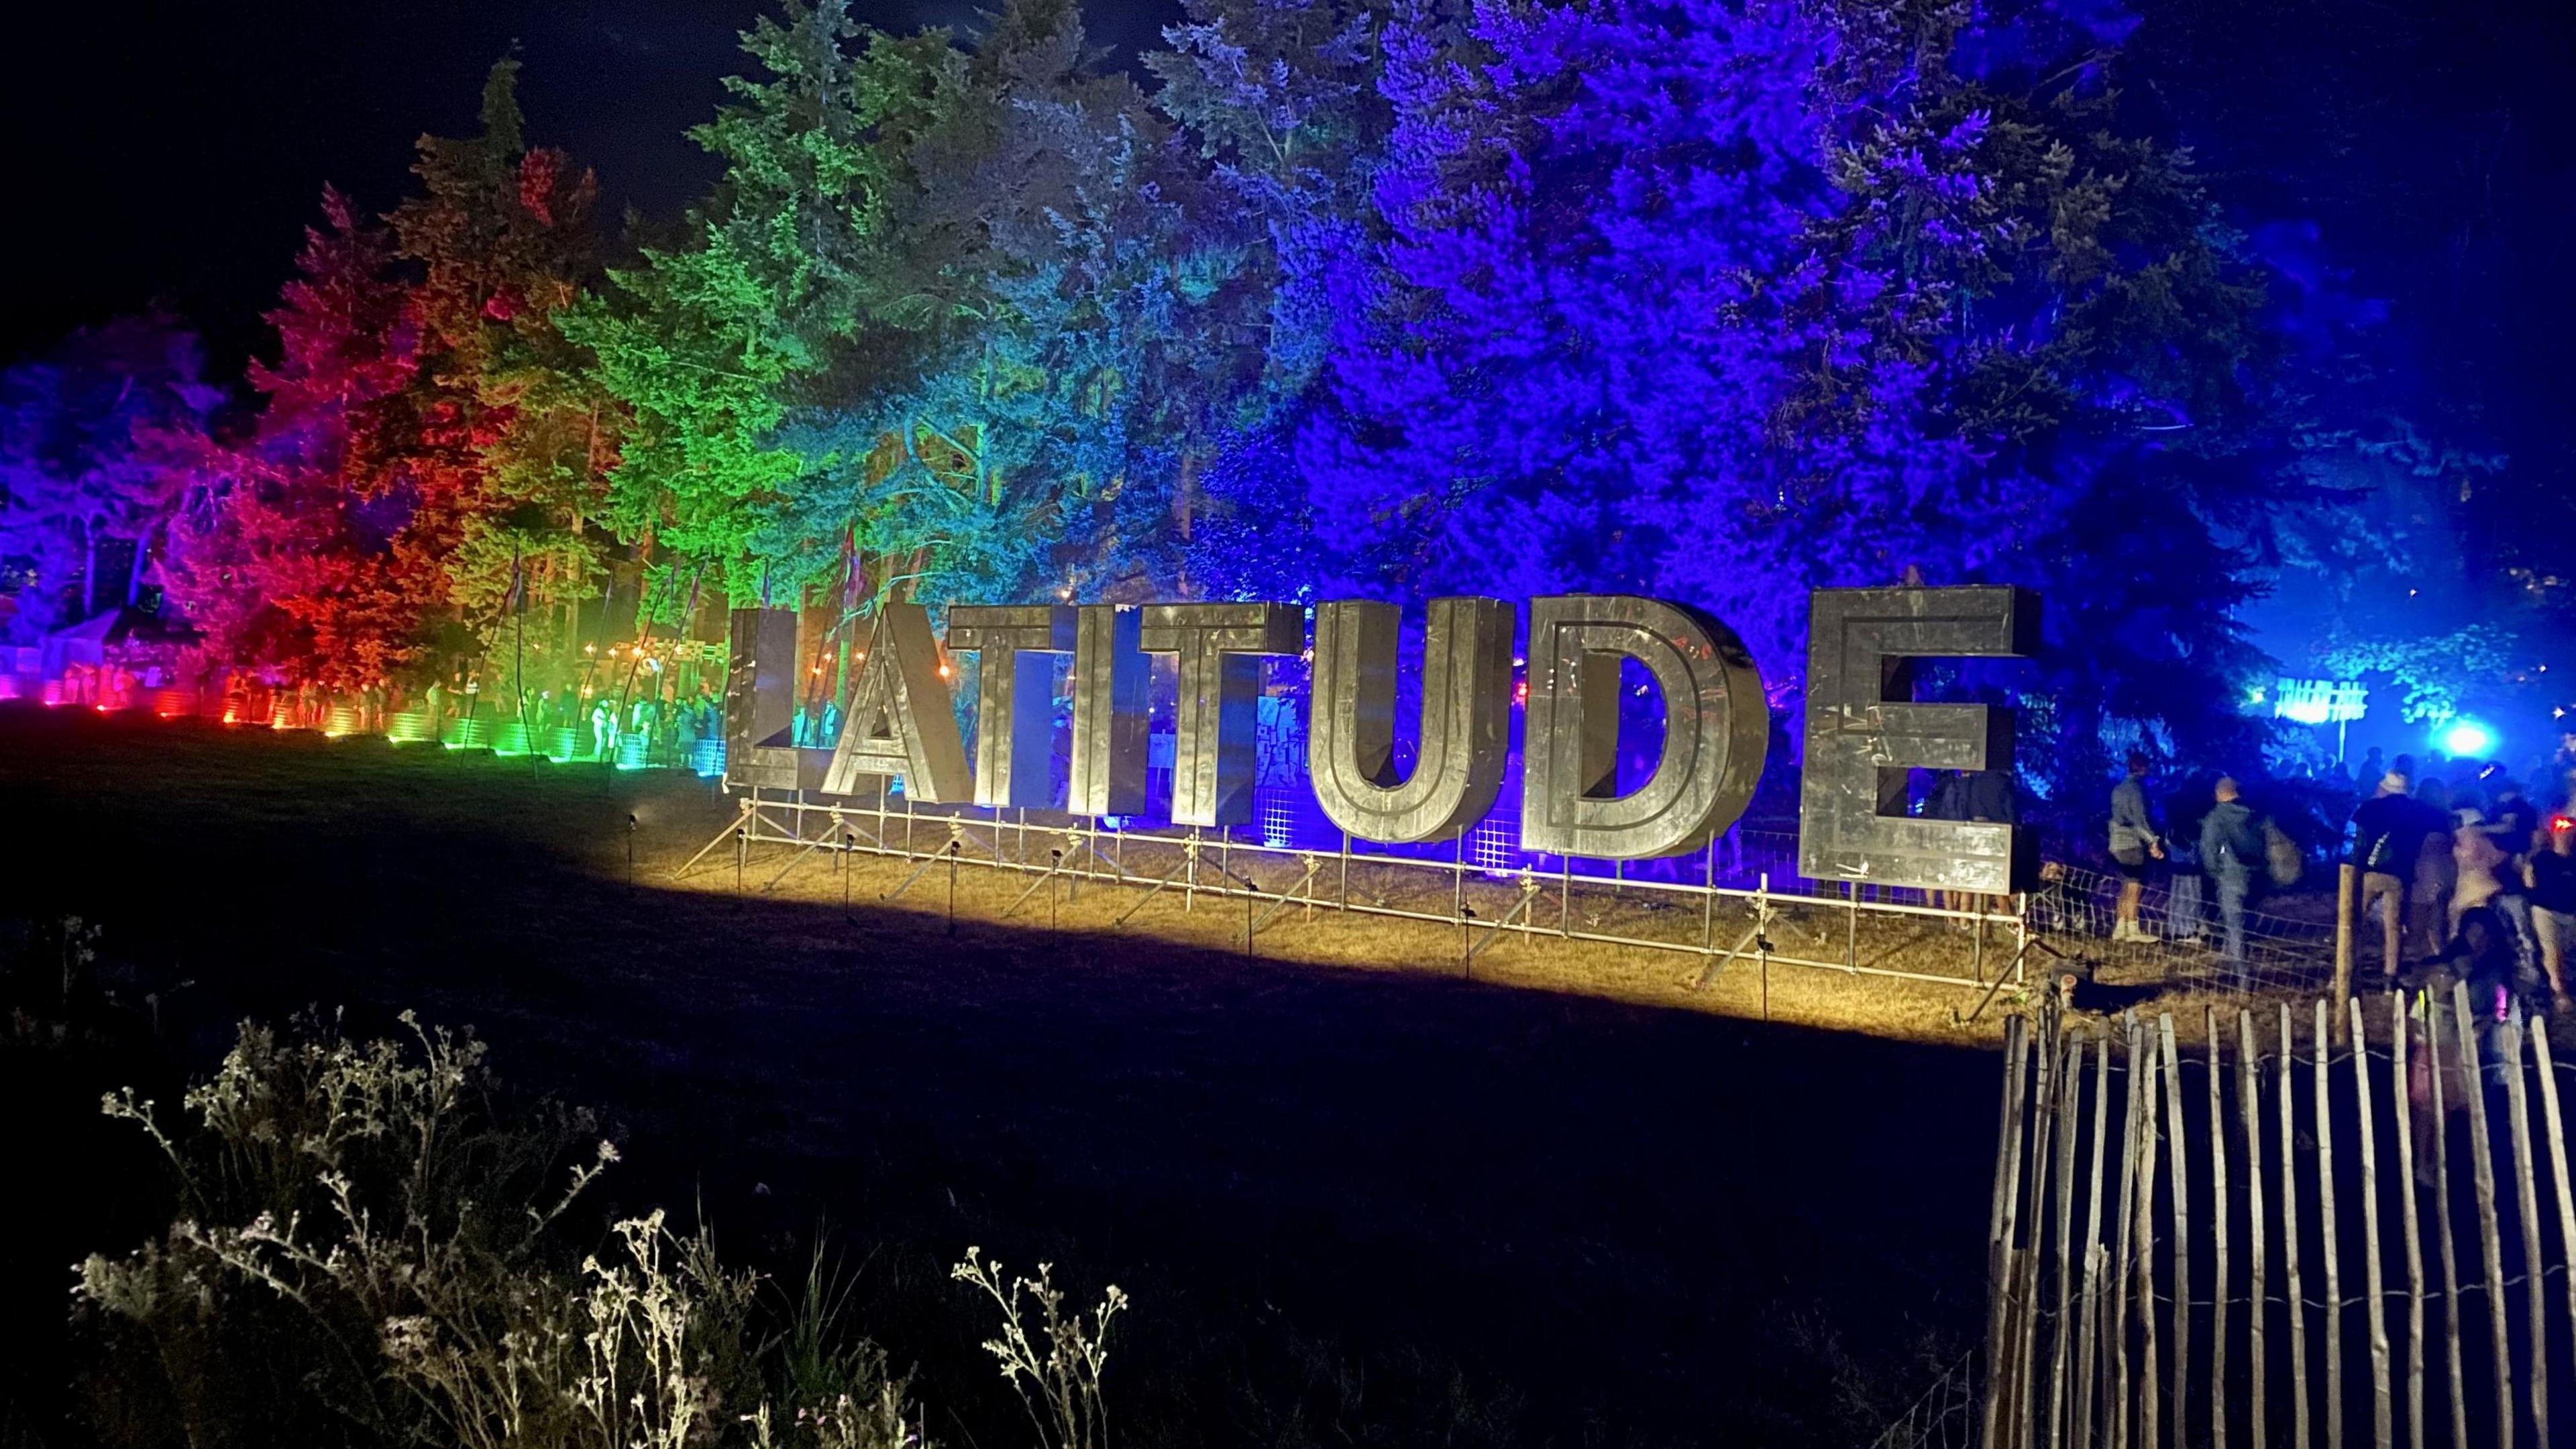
1341, 1196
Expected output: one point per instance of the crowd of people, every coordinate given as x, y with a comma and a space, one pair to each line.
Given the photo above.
2467, 873
652, 721
664, 723
2474, 875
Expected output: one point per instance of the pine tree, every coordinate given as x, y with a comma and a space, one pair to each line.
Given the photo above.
287, 557
509, 466
707, 342
83, 489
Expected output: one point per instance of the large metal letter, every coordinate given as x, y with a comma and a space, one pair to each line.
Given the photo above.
760, 701
1213, 729
1717, 728
1014, 696
1857, 738
1466, 718
1112, 703
901, 720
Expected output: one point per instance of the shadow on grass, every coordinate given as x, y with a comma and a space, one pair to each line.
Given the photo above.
1351, 1206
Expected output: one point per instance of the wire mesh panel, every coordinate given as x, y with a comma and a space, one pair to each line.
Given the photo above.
1945, 1417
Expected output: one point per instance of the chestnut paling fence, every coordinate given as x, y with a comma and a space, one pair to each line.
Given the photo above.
1739, 905
2343, 1222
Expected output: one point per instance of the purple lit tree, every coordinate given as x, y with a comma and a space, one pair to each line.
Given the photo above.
84, 493
1726, 301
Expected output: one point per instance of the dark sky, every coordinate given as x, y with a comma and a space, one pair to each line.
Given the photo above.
171, 151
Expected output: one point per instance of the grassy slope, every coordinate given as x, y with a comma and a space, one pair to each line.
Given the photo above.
1340, 1196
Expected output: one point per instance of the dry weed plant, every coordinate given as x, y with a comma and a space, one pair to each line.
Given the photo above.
1058, 1379
368, 1252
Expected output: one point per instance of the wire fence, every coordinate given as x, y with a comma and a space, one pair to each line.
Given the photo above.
1945, 1417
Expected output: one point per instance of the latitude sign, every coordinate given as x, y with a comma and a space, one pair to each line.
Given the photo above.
1864, 729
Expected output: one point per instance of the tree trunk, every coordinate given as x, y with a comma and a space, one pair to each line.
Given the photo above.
134, 571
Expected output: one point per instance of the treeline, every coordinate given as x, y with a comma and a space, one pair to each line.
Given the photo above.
1717, 301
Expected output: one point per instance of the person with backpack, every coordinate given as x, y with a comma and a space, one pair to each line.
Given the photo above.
2231, 849
2381, 842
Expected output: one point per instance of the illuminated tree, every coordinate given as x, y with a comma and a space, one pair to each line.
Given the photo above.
287, 553
511, 440
709, 342
83, 490
1727, 301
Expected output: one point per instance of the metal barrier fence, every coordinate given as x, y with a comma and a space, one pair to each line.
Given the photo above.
1730, 909
1740, 902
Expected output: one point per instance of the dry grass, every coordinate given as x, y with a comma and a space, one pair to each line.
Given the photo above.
1096, 904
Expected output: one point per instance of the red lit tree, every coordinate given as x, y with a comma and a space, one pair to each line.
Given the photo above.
289, 552
512, 441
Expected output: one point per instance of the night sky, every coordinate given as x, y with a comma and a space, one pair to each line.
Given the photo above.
171, 153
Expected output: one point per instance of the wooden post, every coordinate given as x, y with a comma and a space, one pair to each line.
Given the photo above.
2043, 1180
2218, 1236
2088, 1317
2143, 1081
2402, 1097
2290, 1250
1999, 1220
2490, 1240
2449, 1258
2249, 1107
2347, 895
2067, 1123
2331, 1241
2177, 1165
2383, 1416
2548, 1075
2527, 1199
2115, 1322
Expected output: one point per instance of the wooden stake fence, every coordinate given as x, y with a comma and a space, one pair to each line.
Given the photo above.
2121, 1314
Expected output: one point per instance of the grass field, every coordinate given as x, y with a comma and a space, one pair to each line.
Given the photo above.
1355, 1198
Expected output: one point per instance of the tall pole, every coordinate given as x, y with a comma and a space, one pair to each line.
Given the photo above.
519, 657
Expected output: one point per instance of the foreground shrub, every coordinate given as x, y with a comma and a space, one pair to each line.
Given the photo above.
369, 1252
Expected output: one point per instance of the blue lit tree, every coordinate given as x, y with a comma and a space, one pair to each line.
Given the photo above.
1725, 301
85, 488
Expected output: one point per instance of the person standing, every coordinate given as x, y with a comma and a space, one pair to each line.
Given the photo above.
2230, 849
2437, 871
2482, 864
2133, 843
2551, 876
2381, 841
603, 730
